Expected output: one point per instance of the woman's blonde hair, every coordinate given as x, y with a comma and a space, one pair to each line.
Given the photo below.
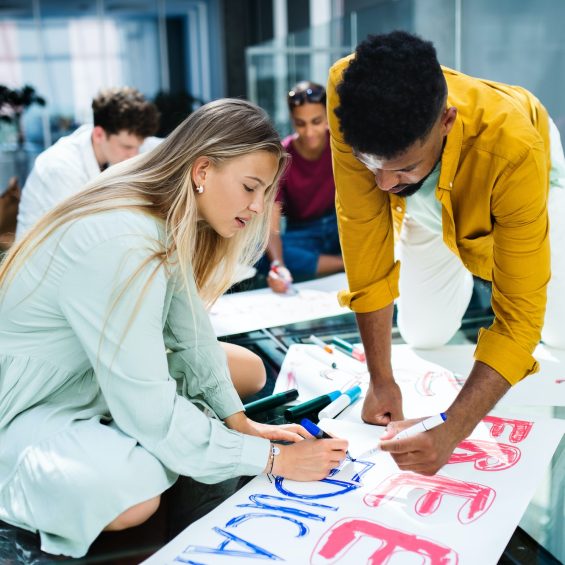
159, 183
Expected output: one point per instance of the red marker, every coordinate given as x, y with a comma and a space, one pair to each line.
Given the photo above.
349, 349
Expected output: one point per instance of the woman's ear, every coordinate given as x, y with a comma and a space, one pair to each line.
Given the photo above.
199, 170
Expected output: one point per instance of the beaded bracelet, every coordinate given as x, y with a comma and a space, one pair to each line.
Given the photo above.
275, 450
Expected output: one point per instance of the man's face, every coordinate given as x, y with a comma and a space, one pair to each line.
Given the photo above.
405, 174
116, 147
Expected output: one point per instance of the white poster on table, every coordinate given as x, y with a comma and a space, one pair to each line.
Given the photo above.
427, 388
256, 309
544, 388
429, 379
369, 511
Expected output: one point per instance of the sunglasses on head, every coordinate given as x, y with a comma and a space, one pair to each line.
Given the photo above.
315, 94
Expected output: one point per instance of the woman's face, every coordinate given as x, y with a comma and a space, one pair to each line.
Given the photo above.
234, 192
311, 124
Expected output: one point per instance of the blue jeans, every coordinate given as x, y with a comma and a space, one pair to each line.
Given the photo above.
304, 242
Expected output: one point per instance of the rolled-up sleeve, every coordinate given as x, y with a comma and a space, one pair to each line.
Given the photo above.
364, 220
521, 267
122, 335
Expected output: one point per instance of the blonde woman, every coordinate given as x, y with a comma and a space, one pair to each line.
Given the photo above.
96, 420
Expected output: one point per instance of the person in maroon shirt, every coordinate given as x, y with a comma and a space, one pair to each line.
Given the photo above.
310, 244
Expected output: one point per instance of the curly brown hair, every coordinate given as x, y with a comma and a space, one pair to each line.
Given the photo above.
125, 108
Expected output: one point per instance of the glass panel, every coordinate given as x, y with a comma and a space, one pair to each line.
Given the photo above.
308, 54
518, 42
74, 48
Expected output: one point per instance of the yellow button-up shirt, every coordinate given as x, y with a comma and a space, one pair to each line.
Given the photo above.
493, 189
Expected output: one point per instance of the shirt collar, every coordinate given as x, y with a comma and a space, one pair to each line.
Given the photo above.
451, 155
87, 150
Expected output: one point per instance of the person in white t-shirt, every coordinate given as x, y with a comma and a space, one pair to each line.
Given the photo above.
122, 118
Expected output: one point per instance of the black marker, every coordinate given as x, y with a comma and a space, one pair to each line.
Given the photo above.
295, 413
270, 401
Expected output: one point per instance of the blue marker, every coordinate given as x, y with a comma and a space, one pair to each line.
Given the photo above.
317, 432
313, 429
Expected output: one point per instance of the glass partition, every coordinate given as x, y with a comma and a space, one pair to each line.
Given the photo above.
274, 66
514, 41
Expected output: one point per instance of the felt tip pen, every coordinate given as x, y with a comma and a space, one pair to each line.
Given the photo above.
311, 428
317, 341
420, 427
270, 401
349, 349
321, 357
318, 433
423, 426
341, 403
295, 413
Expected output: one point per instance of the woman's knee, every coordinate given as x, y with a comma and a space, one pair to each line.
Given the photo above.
258, 374
246, 368
135, 515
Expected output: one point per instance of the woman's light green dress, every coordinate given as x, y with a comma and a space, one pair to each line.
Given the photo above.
95, 417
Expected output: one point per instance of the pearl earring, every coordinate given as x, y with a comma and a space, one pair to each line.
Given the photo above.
200, 189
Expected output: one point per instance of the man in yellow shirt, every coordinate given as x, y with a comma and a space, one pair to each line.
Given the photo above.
460, 169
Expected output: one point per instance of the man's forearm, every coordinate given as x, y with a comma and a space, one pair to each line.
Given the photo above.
376, 330
483, 389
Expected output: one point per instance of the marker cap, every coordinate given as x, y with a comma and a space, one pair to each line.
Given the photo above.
353, 392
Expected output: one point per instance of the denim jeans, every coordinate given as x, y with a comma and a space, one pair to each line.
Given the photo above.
304, 242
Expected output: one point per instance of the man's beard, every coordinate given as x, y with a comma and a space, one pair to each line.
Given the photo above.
411, 189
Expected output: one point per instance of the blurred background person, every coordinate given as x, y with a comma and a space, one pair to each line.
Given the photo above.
309, 246
122, 118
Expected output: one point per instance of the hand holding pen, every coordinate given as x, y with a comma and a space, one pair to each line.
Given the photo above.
389, 441
279, 278
420, 446
318, 433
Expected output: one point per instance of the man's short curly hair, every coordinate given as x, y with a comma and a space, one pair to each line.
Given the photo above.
391, 95
117, 109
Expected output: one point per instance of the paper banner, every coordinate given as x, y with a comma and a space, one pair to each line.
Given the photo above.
371, 512
247, 311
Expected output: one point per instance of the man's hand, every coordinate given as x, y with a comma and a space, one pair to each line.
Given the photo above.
425, 453
383, 403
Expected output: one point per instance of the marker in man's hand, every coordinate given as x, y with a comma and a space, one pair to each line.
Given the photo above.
420, 427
